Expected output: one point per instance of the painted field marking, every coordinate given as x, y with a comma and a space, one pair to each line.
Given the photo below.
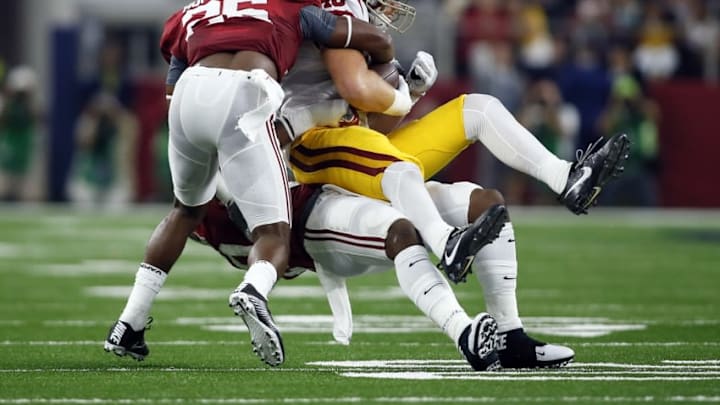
458, 370
330, 342
558, 326
361, 400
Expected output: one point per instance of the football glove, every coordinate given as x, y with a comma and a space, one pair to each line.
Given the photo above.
422, 74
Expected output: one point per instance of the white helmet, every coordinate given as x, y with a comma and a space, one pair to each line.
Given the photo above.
391, 13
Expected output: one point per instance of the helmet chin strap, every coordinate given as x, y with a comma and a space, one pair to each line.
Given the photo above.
393, 14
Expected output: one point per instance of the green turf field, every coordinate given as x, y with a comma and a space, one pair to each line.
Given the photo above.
636, 294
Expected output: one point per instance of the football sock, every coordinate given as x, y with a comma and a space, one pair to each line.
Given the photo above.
262, 275
148, 282
430, 292
488, 121
496, 269
404, 186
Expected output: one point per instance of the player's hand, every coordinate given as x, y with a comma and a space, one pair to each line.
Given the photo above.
422, 74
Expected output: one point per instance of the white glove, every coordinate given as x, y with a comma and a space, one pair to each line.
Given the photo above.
422, 74
327, 113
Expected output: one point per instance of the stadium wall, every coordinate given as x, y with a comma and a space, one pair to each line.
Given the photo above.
689, 143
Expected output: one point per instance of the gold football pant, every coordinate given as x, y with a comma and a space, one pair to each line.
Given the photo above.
355, 157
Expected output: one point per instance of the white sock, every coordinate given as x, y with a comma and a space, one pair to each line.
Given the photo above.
148, 282
430, 292
488, 121
404, 187
496, 269
262, 275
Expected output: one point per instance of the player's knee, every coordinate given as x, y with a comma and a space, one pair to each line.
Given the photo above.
185, 212
401, 235
481, 199
277, 233
477, 101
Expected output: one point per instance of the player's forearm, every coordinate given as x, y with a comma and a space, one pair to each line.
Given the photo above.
346, 32
361, 87
369, 39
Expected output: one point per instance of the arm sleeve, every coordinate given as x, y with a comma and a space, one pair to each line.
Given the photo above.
316, 24
176, 68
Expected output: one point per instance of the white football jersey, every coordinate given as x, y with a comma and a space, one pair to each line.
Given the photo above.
308, 81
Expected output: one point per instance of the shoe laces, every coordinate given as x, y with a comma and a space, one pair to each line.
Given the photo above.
582, 155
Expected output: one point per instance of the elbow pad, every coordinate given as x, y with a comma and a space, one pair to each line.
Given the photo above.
176, 68
317, 24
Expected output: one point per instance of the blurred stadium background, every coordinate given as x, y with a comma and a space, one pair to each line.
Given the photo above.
82, 113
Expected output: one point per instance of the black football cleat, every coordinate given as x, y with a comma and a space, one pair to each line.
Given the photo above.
593, 168
518, 350
124, 341
464, 243
264, 334
477, 343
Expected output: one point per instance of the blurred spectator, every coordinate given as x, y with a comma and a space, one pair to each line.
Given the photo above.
104, 162
656, 56
19, 116
555, 124
591, 24
482, 23
106, 136
495, 73
537, 49
702, 37
584, 82
625, 17
632, 113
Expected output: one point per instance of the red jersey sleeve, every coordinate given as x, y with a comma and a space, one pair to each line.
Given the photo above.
172, 41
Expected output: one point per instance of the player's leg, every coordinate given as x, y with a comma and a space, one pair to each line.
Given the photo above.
364, 161
497, 271
439, 136
193, 165
496, 268
253, 170
350, 235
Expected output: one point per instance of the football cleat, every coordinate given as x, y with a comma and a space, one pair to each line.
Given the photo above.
593, 168
518, 350
477, 343
124, 341
464, 243
264, 334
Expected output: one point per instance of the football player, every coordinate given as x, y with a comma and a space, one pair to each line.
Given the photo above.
364, 161
369, 164
340, 235
221, 117
321, 155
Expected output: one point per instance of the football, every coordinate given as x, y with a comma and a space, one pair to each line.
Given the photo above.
388, 72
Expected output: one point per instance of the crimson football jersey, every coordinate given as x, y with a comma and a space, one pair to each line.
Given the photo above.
218, 231
206, 27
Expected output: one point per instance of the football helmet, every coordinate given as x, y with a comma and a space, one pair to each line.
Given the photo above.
395, 14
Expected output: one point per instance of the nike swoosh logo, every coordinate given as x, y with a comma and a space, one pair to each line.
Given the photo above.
431, 287
451, 258
509, 278
593, 196
511, 240
415, 262
540, 353
587, 172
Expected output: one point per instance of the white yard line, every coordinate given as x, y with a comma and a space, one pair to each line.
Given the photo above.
424, 375
361, 400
